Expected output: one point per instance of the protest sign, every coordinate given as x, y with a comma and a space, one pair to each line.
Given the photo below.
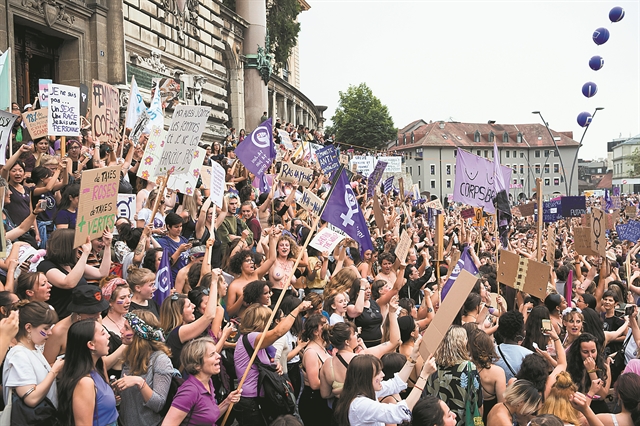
478, 216
326, 240
138, 127
523, 274
447, 312
6, 123
582, 240
43, 92
573, 206
127, 206
152, 153
290, 172
285, 139
551, 245
612, 219
551, 211
394, 164
615, 199
374, 178
401, 188
439, 240
631, 212
377, 212
468, 213
527, 209
344, 159
64, 110
169, 91
474, 183
402, 249
436, 204
84, 99
598, 228
37, 121
182, 139
205, 177
257, 150
364, 163
328, 159
629, 231
310, 202
216, 184
185, 183
105, 111
98, 202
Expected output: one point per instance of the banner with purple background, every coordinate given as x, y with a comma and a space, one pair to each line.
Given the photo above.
328, 159
474, 184
257, 150
374, 178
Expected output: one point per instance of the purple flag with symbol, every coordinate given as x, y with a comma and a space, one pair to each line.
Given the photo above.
257, 150
343, 212
465, 262
374, 178
163, 278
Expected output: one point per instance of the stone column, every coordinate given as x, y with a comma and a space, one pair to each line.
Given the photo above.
255, 90
274, 105
115, 22
285, 110
294, 115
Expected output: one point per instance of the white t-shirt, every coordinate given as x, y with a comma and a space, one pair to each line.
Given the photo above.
26, 367
335, 318
368, 412
145, 214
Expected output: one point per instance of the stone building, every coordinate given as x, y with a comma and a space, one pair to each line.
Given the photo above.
626, 176
216, 54
429, 153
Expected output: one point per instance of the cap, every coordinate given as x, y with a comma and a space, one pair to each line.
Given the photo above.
87, 299
197, 251
27, 106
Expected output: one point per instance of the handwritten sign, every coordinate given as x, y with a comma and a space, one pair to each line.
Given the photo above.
290, 172
402, 250
216, 184
97, 207
468, 213
551, 211
185, 183
631, 212
37, 122
152, 153
127, 206
310, 202
205, 177
629, 231
105, 109
598, 228
285, 139
394, 164
612, 219
328, 159
365, 164
573, 206
64, 110
6, 123
326, 240
43, 91
478, 216
182, 139
374, 178
582, 240
436, 204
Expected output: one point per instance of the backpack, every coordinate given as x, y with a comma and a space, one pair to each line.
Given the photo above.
278, 397
176, 382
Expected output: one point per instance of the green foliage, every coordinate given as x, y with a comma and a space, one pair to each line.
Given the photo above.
283, 29
231, 4
634, 163
362, 120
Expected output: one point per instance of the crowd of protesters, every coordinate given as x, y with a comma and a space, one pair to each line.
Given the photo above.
84, 341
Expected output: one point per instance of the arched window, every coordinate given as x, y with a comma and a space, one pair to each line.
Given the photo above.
476, 136
491, 136
505, 137
519, 137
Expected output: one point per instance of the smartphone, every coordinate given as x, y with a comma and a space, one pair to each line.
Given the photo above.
535, 345
619, 312
628, 310
43, 204
546, 325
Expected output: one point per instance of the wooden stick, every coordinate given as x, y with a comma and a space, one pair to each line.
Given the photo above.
539, 195
63, 146
162, 181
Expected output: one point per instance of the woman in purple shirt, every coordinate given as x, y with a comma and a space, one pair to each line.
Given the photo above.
195, 402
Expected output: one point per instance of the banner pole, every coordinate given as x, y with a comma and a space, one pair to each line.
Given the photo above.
540, 210
287, 284
162, 181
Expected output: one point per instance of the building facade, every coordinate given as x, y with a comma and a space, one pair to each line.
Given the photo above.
626, 177
429, 153
209, 49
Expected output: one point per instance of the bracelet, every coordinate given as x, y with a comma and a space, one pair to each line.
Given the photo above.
412, 360
555, 340
362, 289
418, 387
595, 370
292, 316
144, 383
29, 392
593, 396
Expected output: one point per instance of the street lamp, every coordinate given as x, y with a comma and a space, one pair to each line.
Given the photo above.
575, 159
557, 150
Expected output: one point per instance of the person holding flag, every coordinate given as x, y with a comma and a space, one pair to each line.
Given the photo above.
501, 200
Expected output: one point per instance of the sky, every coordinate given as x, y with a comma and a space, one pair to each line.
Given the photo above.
475, 61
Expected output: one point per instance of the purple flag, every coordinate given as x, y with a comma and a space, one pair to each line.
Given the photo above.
465, 262
163, 278
374, 178
257, 150
387, 185
608, 201
343, 212
474, 184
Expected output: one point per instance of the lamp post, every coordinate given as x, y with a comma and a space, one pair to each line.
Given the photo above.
575, 158
557, 150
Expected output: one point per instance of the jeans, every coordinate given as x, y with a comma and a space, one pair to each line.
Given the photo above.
42, 230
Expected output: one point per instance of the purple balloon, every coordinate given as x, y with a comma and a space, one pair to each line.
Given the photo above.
600, 36
589, 89
584, 119
596, 62
616, 14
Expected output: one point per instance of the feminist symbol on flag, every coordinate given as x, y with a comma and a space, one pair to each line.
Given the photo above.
163, 282
352, 203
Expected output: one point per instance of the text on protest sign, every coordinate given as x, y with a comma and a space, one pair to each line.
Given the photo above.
43, 92
326, 240
186, 183
551, 211
364, 163
629, 231
216, 184
182, 139
573, 206
152, 153
285, 139
328, 159
105, 111
310, 202
64, 110
402, 250
37, 122
394, 164
374, 177
290, 172
97, 206
6, 123
598, 229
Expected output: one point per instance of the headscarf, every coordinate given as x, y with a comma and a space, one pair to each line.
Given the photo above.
108, 288
144, 330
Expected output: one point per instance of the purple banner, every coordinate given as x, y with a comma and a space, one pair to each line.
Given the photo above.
374, 178
257, 150
574, 206
328, 159
474, 184
629, 231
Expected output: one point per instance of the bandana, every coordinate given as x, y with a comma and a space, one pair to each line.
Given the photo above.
108, 288
569, 310
144, 330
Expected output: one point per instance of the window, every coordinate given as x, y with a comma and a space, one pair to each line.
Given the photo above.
556, 153
505, 137
419, 184
556, 182
448, 183
486, 153
455, 153
410, 170
478, 153
546, 153
515, 154
522, 182
521, 169
412, 139
418, 170
515, 181
521, 154
556, 168
476, 137
546, 182
410, 155
406, 170
537, 167
491, 136
433, 184
515, 168
546, 168
448, 169
519, 137
537, 153
507, 153
433, 169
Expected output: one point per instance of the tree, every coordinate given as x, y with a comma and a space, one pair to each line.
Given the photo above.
362, 120
634, 163
283, 29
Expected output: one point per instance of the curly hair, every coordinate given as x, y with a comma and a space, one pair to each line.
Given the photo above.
511, 325
535, 369
311, 325
483, 352
253, 291
236, 261
293, 246
453, 349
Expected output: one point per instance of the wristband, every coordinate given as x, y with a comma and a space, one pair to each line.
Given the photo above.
292, 316
595, 370
593, 396
412, 360
418, 387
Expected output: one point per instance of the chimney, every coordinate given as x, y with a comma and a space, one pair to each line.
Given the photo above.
442, 124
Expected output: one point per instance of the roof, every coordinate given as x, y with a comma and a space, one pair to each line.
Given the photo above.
454, 134
606, 182
631, 141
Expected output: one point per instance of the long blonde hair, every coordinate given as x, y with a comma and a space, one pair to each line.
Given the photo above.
138, 353
453, 349
557, 403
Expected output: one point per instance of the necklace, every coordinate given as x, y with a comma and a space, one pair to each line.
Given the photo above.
118, 326
320, 346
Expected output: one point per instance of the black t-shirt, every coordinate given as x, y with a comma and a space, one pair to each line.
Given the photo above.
174, 343
370, 320
60, 298
612, 324
152, 307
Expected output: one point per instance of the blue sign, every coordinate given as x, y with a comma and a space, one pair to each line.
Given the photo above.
551, 211
328, 159
574, 206
629, 231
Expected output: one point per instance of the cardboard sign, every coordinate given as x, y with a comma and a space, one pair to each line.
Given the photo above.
439, 241
205, 177
310, 202
289, 172
612, 219
478, 217
127, 206
631, 212
436, 204
629, 231
598, 228
401, 186
344, 159
582, 240
152, 152
285, 139
377, 212
524, 274
447, 312
468, 213
186, 183
6, 123
551, 211
404, 245
217, 184
326, 240
182, 139
105, 111
64, 110
43, 92
97, 207
37, 122
551, 245
573, 206
527, 209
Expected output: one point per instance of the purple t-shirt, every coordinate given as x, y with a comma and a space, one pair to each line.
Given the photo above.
65, 217
199, 404
241, 359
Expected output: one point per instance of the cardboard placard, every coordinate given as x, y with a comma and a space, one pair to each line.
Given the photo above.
404, 245
64, 110
551, 245
598, 228
378, 214
310, 202
582, 240
528, 209
326, 240
524, 274
205, 177
612, 219
97, 207
37, 122
631, 212
344, 159
217, 184
468, 213
447, 312
182, 139
478, 217
439, 240
105, 111
401, 186
290, 172
436, 204
6, 123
